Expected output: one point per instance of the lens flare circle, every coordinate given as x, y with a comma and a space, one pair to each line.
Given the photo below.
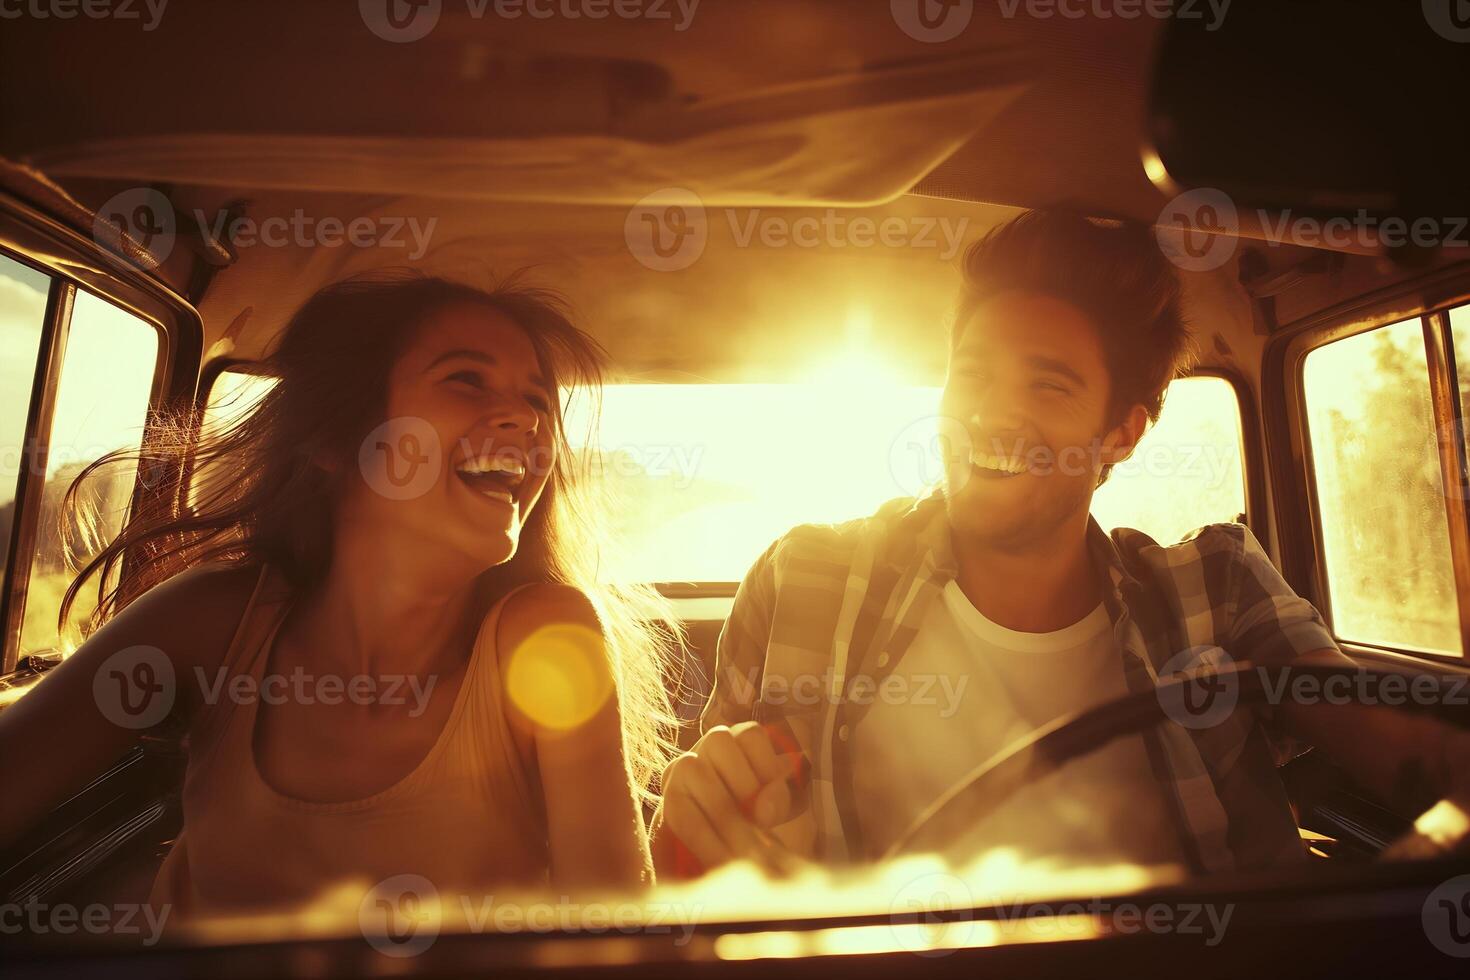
558, 676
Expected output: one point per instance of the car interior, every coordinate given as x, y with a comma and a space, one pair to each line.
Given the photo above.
758, 209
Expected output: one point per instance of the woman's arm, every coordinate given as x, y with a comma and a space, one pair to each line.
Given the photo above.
559, 684
97, 703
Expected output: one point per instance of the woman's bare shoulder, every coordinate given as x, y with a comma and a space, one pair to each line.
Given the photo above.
192, 615
204, 590
543, 604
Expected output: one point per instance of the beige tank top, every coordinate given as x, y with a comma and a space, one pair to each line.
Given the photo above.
468, 818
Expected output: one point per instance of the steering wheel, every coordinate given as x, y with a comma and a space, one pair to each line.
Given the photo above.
1442, 830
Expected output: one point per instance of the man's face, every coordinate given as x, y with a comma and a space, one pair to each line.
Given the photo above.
1029, 384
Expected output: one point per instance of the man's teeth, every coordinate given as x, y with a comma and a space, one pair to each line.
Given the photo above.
1004, 464
513, 468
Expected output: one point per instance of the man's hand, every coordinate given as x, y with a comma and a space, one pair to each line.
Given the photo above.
721, 797
1407, 761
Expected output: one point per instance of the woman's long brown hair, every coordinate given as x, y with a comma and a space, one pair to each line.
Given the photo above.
261, 499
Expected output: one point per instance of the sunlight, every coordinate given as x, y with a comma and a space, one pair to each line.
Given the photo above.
558, 676
106, 379
926, 903
855, 366
704, 476
854, 369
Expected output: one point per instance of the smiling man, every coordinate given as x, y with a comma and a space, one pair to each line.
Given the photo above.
1002, 586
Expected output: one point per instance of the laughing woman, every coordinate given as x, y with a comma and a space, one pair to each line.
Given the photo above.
381, 628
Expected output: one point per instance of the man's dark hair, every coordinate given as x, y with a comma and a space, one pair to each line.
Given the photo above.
1114, 272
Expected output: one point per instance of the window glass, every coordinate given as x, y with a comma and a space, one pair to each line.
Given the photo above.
1385, 536
23, 294
102, 399
1460, 337
705, 477
232, 396
1186, 471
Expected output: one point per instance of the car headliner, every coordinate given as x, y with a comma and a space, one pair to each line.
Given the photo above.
525, 141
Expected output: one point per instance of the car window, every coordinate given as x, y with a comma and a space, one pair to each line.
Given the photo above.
101, 406
232, 395
1460, 339
705, 477
1380, 499
23, 294
1188, 469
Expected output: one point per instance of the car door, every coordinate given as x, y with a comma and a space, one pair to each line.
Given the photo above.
93, 348
1366, 420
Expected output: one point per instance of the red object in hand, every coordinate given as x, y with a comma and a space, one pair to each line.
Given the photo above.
686, 865
785, 744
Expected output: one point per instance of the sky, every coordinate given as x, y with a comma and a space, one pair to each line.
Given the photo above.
22, 309
105, 383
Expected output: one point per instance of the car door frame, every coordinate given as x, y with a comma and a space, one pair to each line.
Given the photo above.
1289, 444
74, 261
129, 810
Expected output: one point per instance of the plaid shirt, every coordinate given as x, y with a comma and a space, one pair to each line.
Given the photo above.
828, 603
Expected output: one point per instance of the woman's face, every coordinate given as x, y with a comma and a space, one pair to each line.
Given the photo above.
467, 446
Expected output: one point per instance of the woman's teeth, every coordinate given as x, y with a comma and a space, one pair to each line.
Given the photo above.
506, 465
495, 476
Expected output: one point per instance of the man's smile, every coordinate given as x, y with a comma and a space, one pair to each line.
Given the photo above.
990, 465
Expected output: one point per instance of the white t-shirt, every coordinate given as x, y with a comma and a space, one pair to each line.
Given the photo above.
998, 685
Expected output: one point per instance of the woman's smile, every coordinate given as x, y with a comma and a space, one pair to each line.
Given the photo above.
496, 476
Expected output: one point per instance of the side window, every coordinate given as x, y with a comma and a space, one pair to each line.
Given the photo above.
1380, 498
23, 293
101, 405
1186, 471
1460, 338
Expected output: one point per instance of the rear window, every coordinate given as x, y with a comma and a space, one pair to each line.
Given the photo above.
704, 477
701, 478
